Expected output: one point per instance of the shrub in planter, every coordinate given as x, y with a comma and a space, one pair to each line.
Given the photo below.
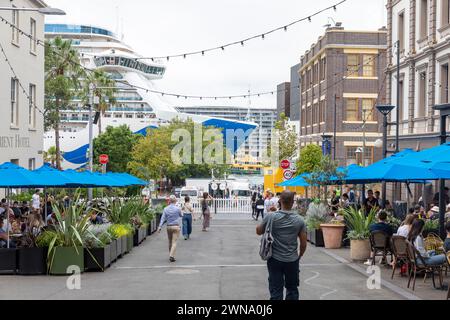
97, 255
358, 225
32, 255
316, 215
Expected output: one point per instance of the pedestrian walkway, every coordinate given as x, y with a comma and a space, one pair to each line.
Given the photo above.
220, 264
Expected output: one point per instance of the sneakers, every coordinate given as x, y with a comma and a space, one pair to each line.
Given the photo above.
368, 262
172, 259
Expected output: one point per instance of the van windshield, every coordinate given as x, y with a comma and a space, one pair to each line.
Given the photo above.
189, 193
242, 193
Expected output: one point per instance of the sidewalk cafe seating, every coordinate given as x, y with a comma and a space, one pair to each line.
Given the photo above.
400, 251
380, 245
418, 265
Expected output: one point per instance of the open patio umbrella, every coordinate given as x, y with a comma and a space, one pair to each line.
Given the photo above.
298, 181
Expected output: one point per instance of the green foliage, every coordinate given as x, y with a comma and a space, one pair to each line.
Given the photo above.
151, 157
324, 171
98, 236
310, 158
120, 230
24, 196
358, 224
316, 215
117, 143
431, 225
288, 139
45, 239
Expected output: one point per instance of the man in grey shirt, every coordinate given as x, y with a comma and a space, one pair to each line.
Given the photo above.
171, 215
284, 265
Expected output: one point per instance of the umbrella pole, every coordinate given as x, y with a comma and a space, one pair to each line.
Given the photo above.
7, 220
45, 206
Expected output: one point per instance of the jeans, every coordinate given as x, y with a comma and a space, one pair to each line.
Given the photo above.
434, 260
187, 224
283, 275
259, 212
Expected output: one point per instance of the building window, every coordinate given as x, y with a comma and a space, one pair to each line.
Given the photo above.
351, 109
368, 106
322, 111
323, 65
445, 13
401, 31
15, 161
303, 119
15, 27
14, 102
352, 65
32, 106
444, 83
33, 40
32, 164
316, 73
368, 65
354, 157
423, 19
422, 95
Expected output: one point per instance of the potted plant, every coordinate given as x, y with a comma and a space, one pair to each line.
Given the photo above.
431, 226
97, 254
358, 225
316, 215
332, 234
120, 232
66, 247
31, 256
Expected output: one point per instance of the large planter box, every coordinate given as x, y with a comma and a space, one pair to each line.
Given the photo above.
97, 259
143, 233
64, 257
317, 238
308, 235
136, 237
113, 251
150, 229
124, 245
332, 235
130, 243
360, 250
32, 261
155, 224
8, 260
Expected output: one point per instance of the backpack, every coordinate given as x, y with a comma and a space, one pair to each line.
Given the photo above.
265, 247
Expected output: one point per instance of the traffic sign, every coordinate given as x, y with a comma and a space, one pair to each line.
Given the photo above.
288, 174
285, 164
103, 159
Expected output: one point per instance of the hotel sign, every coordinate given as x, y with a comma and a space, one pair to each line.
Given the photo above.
14, 142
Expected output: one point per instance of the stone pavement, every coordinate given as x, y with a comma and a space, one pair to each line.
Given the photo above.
220, 264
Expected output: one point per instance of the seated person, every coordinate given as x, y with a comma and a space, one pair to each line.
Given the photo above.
24, 208
95, 218
447, 240
382, 225
4, 237
51, 219
416, 238
15, 208
345, 201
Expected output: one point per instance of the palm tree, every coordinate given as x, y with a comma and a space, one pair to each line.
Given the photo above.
50, 156
62, 73
104, 89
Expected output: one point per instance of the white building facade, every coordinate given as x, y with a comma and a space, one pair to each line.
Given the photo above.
422, 30
22, 84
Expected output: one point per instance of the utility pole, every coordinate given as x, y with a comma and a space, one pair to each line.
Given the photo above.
91, 135
364, 138
397, 135
335, 127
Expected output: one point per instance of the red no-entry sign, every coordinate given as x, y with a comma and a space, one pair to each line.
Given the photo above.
285, 164
103, 159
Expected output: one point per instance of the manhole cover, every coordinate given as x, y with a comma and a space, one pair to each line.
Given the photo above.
182, 271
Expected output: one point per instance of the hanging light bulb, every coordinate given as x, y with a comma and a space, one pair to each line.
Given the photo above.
242, 43
309, 19
262, 36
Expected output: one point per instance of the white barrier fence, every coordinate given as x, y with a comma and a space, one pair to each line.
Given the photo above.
227, 206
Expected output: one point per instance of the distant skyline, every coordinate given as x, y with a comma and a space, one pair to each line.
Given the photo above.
166, 27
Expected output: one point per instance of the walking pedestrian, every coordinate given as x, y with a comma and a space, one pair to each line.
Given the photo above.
254, 199
206, 212
259, 207
187, 212
284, 264
171, 215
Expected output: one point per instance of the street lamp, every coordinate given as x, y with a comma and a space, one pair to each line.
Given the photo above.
444, 112
385, 110
49, 11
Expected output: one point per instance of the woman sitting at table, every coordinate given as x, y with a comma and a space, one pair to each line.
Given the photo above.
4, 237
416, 238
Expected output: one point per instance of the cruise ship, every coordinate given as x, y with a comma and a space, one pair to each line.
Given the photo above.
137, 106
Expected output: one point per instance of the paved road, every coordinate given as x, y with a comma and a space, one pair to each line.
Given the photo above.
220, 264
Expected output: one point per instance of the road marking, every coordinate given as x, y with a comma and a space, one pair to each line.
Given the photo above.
306, 265
396, 289
317, 275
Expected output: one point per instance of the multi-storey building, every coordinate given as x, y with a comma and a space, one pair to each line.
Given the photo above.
22, 84
254, 150
295, 94
342, 79
284, 99
421, 28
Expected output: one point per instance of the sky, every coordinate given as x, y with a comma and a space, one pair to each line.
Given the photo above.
166, 27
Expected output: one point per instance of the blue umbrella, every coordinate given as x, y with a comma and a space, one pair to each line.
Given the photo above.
132, 179
81, 179
51, 177
13, 176
298, 181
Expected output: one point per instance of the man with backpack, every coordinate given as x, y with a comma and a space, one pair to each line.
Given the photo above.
283, 262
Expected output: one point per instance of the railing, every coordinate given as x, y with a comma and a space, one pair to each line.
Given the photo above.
226, 206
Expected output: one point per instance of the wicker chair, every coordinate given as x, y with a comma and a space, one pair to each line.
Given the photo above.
400, 251
380, 245
417, 264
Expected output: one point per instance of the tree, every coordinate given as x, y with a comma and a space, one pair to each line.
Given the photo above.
117, 143
288, 139
104, 89
50, 156
310, 158
62, 74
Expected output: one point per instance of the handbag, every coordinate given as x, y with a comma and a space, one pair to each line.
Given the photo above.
265, 247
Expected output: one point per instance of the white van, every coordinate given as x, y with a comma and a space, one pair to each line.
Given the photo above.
190, 192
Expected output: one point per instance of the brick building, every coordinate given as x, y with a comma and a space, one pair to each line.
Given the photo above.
342, 78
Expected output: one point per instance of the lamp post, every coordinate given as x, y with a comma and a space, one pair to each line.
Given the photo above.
444, 112
49, 11
385, 110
